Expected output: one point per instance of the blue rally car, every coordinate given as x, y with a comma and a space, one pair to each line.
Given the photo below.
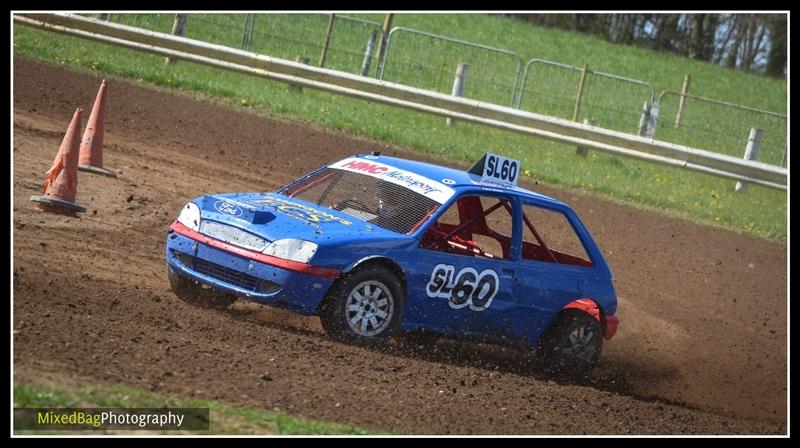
375, 244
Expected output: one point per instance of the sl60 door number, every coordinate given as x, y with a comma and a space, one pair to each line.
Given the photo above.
468, 287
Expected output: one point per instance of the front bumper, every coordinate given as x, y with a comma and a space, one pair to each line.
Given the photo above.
242, 276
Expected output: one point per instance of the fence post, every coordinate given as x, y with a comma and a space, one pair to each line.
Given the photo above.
326, 40
244, 31
581, 150
652, 120
178, 28
387, 25
518, 86
751, 152
647, 121
104, 17
294, 87
253, 18
682, 103
368, 53
458, 85
644, 118
579, 95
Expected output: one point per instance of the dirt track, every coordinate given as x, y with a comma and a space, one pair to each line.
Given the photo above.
701, 347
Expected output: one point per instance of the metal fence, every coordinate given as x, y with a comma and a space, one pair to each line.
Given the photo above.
720, 126
429, 61
290, 36
287, 36
609, 101
221, 29
354, 45
153, 22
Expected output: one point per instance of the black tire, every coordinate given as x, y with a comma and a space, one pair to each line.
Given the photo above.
194, 293
370, 320
572, 345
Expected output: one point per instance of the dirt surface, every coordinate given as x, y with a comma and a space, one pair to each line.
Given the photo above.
701, 347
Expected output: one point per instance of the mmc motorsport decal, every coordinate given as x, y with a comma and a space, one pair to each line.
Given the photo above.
303, 212
414, 182
468, 287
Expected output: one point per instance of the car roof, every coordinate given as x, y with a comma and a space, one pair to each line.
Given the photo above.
462, 180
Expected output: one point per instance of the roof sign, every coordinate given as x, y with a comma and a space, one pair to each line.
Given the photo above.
497, 170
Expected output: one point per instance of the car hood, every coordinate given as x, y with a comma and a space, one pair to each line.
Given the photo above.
274, 216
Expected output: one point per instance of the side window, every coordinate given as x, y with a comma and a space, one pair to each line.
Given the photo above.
548, 236
498, 228
450, 217
474, 226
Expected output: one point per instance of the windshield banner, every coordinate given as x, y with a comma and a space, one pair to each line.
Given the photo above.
414, 182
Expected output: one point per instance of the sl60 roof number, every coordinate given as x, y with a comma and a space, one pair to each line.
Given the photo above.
501, 170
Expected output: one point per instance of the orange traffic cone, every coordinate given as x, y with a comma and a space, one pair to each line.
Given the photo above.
61, 184
91, 159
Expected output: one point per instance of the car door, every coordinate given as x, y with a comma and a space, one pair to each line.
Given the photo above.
466, 290
552, 269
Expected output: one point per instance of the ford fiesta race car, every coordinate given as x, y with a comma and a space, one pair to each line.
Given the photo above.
375, 244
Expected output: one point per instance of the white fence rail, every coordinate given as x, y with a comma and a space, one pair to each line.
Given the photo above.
575, 134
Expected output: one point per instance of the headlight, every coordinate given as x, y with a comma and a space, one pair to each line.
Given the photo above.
292, 249
190, 216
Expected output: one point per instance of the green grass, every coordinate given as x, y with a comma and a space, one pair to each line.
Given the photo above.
761, 211
664, 70
223, 418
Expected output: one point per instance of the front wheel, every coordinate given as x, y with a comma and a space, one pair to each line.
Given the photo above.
365, 307
571, 347
194, 293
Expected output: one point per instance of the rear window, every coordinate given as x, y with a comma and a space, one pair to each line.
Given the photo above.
364, 197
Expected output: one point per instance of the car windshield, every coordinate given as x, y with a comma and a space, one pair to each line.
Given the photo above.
365, 197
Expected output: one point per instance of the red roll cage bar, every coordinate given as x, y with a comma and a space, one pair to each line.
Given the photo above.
484, 214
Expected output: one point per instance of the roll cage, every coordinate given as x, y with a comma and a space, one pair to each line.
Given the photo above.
459, 238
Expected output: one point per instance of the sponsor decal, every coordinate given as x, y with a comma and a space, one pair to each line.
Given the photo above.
228, 208
414, 182
308, 214
468, 287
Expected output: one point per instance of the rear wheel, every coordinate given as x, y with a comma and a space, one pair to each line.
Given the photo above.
364, 307
572, 346
195, 293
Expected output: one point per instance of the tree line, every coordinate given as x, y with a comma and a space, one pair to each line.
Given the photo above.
750, 42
